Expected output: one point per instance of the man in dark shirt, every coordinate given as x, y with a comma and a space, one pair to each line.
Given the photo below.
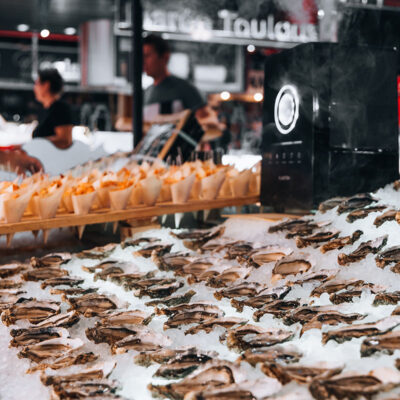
55, 120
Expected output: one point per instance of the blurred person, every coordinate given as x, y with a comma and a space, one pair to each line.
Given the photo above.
168, 94
55, 120
19, 161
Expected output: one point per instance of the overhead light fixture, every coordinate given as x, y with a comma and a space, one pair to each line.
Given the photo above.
22, 27
44, 33
251, 48
321, 14
258, 96
225, 95
70, 30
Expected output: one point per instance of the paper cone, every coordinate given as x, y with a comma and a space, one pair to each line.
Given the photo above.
165, 193
240, 184
115, 226
48, 206
211, 185
164, 218
13, 208
103, 197
255, 183
35, 234
33, 205
206, 213
67, 202
136, 196
119, 198
226, 190
181, 190
81, 228
178, 219
10, 237
46, 233
196, 189
151, 188
82, 203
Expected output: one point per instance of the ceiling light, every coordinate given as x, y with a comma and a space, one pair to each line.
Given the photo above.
44, 33
258, 96
225, 95
70, 30
22, 27
251, 48
321, 13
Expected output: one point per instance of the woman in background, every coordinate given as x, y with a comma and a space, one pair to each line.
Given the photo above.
55, 120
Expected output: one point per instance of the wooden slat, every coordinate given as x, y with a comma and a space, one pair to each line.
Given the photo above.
102, 216
265, 217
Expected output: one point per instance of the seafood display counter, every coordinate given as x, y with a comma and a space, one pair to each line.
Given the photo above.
302, 308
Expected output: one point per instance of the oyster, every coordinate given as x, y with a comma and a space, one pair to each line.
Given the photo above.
101, 266
7, 270
64, 320
126, 317
50, 260
228, 276
99, 371
160, 356
346, 296
193, 307
347, 386
196, 239
390, 255
128, 279
25, 337
304, 314
294, 227
213, 374
143, 339
99, 252
172, 261
195, 269
91, 304
190, 317
387, 216
9, 284
269, 355
251, 336
331, 317
247, 390
65, 361
147, 283
73, 291
396, 311
183, 364
358, 201
100, 389
387, 343
62, 281
359, 330
31, 309
291, 265
277, 308
316, 238
159, 290
41, 274
387, 298
331, 203
238, 249
159, 249
108, 272
241, 290
136, 242
336, 285
372, 246
209, 324
298, 373
362, 213
322, 276
172, 300
266, 255
339, 243
50, 348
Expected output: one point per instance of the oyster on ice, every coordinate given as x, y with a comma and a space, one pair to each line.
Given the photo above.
28, 336
269, 355
172, 261
387, 343
31, 309
316, 238
160, 356
7, 270
362, 213
41, 274
209, 324
390, 255
278, 308
91, 304
358, 201
341, 242
62, 281
330, 204
50, 260
241, 290
136, 242
97, 253
172, 300
63, 320
291, 265
365, 248
125, 317
158, 249
386, 298
385, 217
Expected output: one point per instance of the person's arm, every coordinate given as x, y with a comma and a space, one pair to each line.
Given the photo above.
208, 118
63, 137
20, 162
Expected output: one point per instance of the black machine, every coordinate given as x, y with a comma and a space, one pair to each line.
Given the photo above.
330, 123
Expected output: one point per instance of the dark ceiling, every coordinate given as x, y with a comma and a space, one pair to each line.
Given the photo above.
52, 14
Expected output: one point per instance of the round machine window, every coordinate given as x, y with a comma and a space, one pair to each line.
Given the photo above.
286, 109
